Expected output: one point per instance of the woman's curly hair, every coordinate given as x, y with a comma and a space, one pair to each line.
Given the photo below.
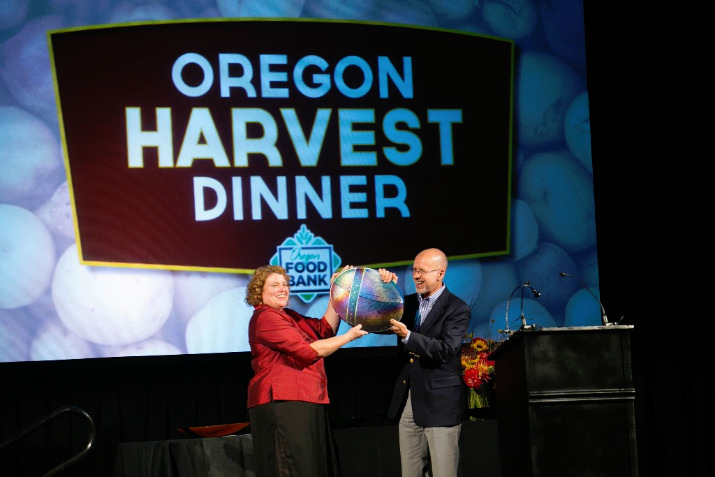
254, 289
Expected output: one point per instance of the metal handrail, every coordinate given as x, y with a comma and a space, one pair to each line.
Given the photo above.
43, 421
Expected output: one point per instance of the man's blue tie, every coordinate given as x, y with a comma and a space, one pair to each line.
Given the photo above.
418, 316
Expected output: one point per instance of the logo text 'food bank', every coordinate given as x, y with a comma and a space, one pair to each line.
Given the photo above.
309, 261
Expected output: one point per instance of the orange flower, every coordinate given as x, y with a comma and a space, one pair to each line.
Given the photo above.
477, 370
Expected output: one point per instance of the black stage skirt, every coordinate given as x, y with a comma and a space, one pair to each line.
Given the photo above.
293, 439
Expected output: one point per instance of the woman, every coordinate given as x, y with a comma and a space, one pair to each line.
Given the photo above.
288, 395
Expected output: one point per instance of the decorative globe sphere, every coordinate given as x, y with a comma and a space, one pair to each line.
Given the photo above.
359, 296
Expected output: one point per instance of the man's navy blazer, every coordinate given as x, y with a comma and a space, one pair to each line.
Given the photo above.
431, 363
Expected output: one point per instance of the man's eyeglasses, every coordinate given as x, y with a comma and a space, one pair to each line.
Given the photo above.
419, 271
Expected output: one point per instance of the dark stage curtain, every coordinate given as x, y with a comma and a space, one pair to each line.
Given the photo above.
362, 451
138, 399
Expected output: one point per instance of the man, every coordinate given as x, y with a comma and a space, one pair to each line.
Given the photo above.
429, 394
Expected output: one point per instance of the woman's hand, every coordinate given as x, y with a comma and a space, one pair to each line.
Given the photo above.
335, 275
355, 332
328, 346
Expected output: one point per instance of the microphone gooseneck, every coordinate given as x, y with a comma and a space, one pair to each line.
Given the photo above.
521, 287
524, 326
604, 318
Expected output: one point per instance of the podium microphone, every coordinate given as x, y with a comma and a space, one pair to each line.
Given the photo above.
604, 318
521, 287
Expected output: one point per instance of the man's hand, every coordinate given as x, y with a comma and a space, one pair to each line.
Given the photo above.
399, 328
387, 276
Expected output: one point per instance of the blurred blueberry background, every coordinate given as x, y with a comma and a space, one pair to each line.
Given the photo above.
53, 308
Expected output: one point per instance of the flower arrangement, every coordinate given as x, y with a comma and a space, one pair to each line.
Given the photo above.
477, 369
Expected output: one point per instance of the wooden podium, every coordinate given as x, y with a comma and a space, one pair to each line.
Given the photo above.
565, 402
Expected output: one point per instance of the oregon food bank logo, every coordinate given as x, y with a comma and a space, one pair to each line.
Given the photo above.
309, 262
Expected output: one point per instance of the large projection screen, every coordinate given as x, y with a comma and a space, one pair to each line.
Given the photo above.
154, 153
